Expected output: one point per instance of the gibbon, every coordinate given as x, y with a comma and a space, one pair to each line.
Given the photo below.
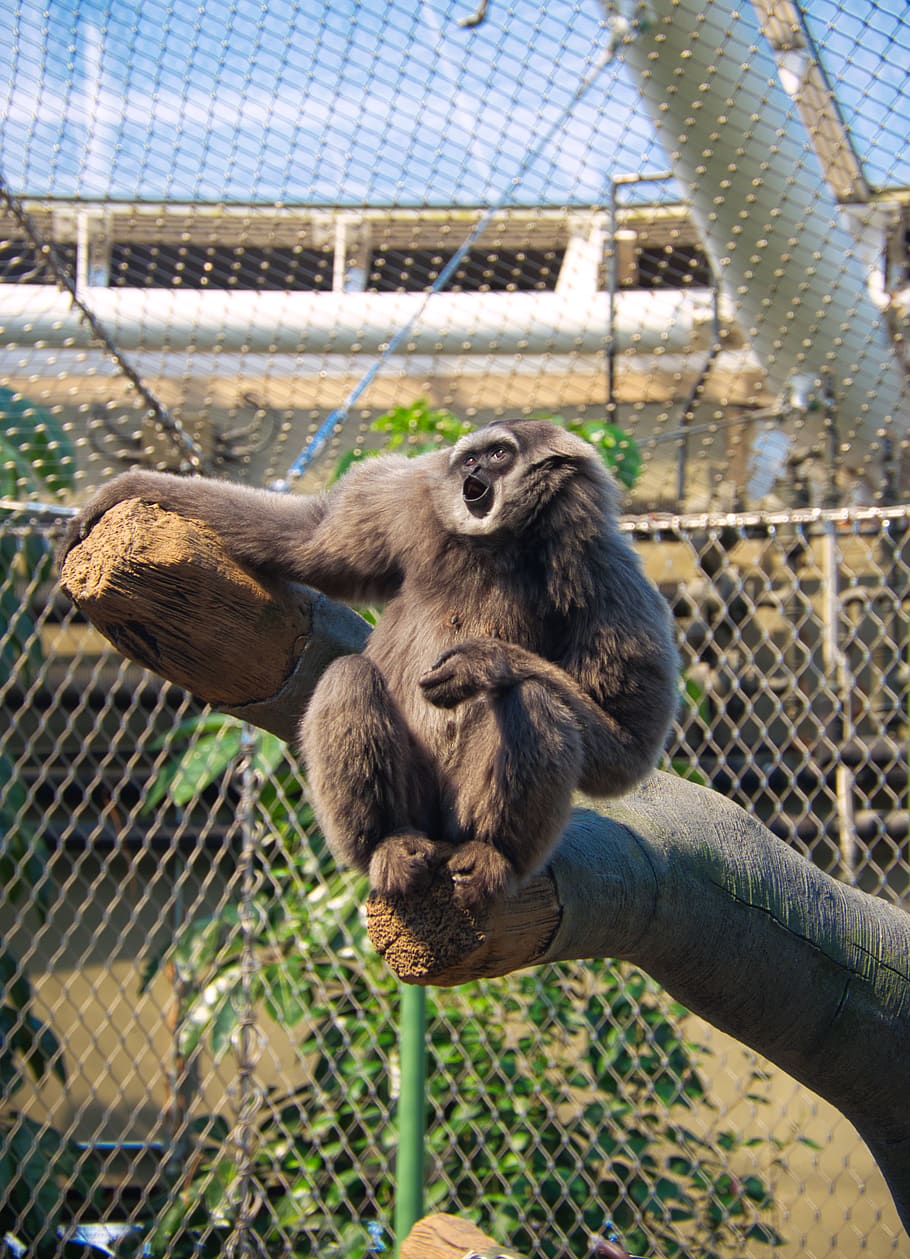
522, 653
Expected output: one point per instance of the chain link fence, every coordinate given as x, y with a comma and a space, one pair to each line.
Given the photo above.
235, 239
209, 1050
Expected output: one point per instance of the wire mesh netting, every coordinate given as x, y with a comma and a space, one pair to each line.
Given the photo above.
209, 1030
252, 241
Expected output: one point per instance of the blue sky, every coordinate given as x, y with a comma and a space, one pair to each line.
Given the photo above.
865, 48
365, 102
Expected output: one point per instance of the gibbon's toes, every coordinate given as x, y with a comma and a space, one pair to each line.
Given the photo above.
481, 875
404, 864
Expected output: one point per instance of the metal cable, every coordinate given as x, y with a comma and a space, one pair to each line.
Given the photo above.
170, 424
621, 31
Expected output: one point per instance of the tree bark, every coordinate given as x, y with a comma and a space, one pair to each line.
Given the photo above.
166, 594
446, 1237
731, 921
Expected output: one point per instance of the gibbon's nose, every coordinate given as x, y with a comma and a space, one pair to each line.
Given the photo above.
477, 492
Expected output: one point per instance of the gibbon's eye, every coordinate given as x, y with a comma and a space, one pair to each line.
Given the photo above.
469, 461
500, 453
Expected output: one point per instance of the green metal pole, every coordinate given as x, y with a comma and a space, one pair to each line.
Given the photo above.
411, 1110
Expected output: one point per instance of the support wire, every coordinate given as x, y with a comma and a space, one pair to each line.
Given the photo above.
170, 425
621, 31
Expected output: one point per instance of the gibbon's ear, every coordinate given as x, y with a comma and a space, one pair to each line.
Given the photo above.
568, 445
558, 444
545, 440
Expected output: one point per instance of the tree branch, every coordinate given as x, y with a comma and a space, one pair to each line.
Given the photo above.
734, 924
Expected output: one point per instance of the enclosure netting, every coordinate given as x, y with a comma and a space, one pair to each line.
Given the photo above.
235, 237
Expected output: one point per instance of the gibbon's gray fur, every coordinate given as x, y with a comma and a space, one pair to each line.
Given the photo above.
522, 652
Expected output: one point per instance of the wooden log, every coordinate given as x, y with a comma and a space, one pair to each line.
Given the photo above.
450, 1237
432, 940
447, 1237
163, 590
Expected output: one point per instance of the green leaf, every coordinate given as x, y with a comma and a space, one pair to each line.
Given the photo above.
224, 1024
696, 699
271, 752
285, 1000
37, 1195
40, 1049
198, 724
683, 768
349, 458
20, 644
36, 455
419, 418
620, 452
167, 1225
213, 1012
201, 765
809, 1143
754, 1188
11, 1077
764, 1234
14, 983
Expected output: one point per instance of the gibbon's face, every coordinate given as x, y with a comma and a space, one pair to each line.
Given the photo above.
500, 478
482, 469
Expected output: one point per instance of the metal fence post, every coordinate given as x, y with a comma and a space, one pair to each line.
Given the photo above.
411, 1111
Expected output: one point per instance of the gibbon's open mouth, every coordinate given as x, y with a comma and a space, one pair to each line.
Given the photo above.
477, 493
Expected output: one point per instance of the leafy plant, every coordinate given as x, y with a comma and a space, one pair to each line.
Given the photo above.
320, 1151
620, 452
36, 455
696, 708
594, 1080
417, 427
596, 1085
419, 420
38, 1165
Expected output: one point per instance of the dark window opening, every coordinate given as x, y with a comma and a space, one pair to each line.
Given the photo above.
21, 262
481, 271
267, 268
673, 267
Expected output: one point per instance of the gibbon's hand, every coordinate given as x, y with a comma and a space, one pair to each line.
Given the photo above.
470, 668
148, 486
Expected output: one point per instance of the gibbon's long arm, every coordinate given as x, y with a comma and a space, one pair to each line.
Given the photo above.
346, 542
255, 526
623, 724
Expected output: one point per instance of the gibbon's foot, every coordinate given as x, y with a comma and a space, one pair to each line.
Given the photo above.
480, 874
404, 864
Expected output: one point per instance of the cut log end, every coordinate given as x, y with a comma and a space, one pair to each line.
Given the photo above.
434, 941
423, 939
162, 589
444, 1236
